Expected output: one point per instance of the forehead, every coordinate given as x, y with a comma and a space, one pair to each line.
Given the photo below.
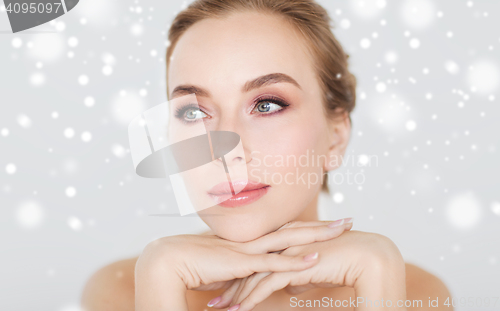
232, 50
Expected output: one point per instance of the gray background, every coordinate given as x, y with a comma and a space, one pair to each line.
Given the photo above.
434, 189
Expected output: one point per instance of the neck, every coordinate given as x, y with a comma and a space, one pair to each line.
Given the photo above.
310, 213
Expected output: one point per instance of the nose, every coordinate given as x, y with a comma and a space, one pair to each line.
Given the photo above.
228, 147
228, 142
236, 156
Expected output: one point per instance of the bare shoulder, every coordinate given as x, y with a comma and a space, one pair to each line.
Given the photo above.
111, 288
423, 285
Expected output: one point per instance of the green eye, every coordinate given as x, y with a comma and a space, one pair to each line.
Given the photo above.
194, 114
266, 107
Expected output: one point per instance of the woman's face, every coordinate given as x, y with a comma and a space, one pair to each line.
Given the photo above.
252, 75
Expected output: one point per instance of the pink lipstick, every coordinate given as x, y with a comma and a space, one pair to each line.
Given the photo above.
252, 191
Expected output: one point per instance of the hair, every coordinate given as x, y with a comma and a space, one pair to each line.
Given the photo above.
306, 16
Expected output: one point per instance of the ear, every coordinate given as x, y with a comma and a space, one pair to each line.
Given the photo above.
339, 134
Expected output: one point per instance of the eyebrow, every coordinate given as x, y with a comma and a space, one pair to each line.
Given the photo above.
261, 81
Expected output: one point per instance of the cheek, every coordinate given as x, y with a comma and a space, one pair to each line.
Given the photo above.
286, 144
276, 142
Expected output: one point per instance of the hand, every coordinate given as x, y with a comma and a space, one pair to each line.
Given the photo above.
169, 266
234, 288
288, 236
368, 262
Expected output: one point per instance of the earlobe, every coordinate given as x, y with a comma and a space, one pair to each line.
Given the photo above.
340, 132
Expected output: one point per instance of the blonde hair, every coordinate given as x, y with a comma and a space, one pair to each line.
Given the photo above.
310, 19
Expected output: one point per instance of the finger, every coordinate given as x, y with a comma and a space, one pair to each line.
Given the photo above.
284, 238
240, 288
348, 226
246, 288
299, 289
348, 222
214, 286
228, 295
278, 263
298, 224
270, 284
224, 300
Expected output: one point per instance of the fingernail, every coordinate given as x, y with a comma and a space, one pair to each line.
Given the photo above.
311, 257
234, 308
348, 220
214, 301
336, 223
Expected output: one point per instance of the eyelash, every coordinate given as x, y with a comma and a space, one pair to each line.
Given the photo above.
181, 111
271, 99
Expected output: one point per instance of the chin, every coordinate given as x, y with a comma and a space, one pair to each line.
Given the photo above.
250, 222
239, 237
243, 231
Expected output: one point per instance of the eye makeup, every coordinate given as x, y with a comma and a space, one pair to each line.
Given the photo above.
269, 99
183, 111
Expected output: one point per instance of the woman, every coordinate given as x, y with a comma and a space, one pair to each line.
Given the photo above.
272, 72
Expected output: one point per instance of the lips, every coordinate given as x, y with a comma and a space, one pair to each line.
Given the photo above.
250, 192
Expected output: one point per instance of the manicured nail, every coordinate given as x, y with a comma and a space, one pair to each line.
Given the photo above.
348, 220
311, 257
214, 301
336, 223
234, 308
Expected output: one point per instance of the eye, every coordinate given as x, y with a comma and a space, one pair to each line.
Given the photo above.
267, 106
190, 113
194, 114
